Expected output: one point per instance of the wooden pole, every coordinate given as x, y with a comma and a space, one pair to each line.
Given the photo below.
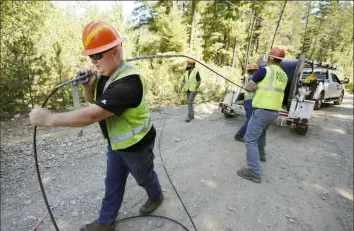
307, 21
192, 24
250, 39
276, 29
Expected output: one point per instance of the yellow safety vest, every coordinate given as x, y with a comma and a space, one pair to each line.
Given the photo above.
133, 124
270, 91
191, 81
248, 94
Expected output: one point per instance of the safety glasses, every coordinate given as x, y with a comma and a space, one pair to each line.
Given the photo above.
99, 56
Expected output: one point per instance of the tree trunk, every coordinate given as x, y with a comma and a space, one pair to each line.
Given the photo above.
174, 5
257, 45
253, 46
315, 43
307, 21
250, 25
234, 57
192, 25
226, 47
30, 93
215, 14
250, 39
276, 29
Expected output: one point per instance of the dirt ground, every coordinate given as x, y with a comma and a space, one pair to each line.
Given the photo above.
307, 181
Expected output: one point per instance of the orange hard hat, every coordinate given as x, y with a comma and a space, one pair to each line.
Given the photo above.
98, 36
191, 61
277, 53
251, 67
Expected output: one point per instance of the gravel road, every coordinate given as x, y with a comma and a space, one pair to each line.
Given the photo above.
307, 182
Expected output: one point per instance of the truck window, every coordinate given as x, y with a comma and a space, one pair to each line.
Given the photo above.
326, 75
319, 75
322, 75
335, 78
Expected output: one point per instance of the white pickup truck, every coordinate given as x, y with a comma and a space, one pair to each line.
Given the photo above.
325, 87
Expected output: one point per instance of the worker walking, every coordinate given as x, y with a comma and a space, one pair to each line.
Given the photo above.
270, 83
118, 97
247, 103
191, 82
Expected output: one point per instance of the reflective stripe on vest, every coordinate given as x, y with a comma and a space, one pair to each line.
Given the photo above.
270, 84
191, 81
269, 92
131, 133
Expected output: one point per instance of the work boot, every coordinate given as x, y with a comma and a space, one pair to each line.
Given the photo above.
245, 173
150, 206
239, 138
262, 158
95, 226
189, 118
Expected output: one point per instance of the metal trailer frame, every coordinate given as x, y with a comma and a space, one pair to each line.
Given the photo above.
297, 111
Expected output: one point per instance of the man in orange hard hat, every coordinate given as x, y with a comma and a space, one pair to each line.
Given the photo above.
270, 83
191, 82
119, 104
247, 103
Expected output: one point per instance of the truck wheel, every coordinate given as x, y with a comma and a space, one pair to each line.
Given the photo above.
227, 115
340, 99
301, 129
318, 102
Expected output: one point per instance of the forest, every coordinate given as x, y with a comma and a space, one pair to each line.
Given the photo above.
41, 44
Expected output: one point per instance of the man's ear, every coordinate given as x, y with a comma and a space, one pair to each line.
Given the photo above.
116, 51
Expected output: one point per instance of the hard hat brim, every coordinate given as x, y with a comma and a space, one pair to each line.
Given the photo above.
276, 57
103, 48
251, 69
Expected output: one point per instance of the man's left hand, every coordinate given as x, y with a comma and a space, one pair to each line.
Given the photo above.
40, 117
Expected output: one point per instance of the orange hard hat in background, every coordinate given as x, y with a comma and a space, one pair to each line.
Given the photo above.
251, 66
277, 53
98, 36
191, 61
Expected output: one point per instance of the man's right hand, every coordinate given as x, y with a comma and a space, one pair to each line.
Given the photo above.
89, 85
90, 82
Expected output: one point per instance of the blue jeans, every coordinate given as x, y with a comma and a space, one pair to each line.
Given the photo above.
119, 165
255, 137
247, 105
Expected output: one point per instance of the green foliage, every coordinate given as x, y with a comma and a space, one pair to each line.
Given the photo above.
41, 44
349, 87
21, 64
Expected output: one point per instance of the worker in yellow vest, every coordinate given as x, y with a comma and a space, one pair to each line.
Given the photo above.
270, 83
247, 102
118, 97
190, 84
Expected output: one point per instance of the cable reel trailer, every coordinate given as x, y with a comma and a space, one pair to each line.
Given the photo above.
296, 112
